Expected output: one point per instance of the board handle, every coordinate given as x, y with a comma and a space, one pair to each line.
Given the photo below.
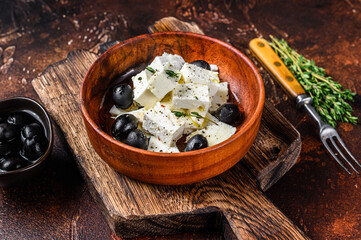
258, 221
275, 66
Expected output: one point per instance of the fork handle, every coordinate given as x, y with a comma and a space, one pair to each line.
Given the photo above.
275, 66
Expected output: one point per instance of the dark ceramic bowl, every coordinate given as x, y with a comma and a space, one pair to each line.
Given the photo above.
244, 81
23, 104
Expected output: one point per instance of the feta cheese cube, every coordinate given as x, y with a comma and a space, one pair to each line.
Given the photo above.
197, 121
175, 61
114, 111
161, 122
220, 98
213, 88
138, 113
189, 124
194, 74
145, 98
164, 81
157, 146
142, 94
214, 133
213, 76
214, 68
191, 96
141, 80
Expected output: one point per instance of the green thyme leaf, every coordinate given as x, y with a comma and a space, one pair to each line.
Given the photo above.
193, 114
179, 114
329, 97
171, 73
197, 115
150, 69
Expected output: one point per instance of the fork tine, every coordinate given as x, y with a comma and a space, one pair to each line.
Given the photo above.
334, 156
340, 152
346, 149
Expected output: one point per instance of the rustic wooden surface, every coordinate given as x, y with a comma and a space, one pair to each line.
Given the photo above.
316, 194
135, 209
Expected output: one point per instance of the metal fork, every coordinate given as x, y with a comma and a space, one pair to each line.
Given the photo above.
274, 65
327, 132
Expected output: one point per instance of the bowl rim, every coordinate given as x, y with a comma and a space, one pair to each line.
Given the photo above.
51, 138
245, 127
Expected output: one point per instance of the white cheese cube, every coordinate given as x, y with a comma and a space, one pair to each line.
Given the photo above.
191, 96
194, 74
214, 68
157, 146
142, 94
220, 98
213, 88
157, 64
140, 81
175, 61
145, 98
198, 122
138, 113
167, 101
114, 111
214, 77
161, 122
189, 124
164, 81
215, 133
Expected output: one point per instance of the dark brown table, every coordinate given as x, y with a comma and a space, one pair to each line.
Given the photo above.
316, 194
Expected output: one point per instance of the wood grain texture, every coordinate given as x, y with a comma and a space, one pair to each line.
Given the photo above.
231, 200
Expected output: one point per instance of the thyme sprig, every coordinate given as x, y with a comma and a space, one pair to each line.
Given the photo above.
150, 69
329, 97
192, 114
171, 73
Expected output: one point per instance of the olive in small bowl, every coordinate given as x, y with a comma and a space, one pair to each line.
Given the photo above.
14, 169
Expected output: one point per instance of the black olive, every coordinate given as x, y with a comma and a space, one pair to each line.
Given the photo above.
202, 64
19, 119
3, 119
123, 125
8, 139
228, 113
33, 130
12, 163
196, 142
32, 149
123, 96
125, 77
7, 149
8, 133
136, 138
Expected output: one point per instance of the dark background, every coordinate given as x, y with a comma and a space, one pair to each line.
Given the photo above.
317, 195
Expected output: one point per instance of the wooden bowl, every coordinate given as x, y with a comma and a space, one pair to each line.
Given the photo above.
244, 82
23, 104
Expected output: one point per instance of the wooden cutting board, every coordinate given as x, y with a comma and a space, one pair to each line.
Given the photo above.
232, 201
